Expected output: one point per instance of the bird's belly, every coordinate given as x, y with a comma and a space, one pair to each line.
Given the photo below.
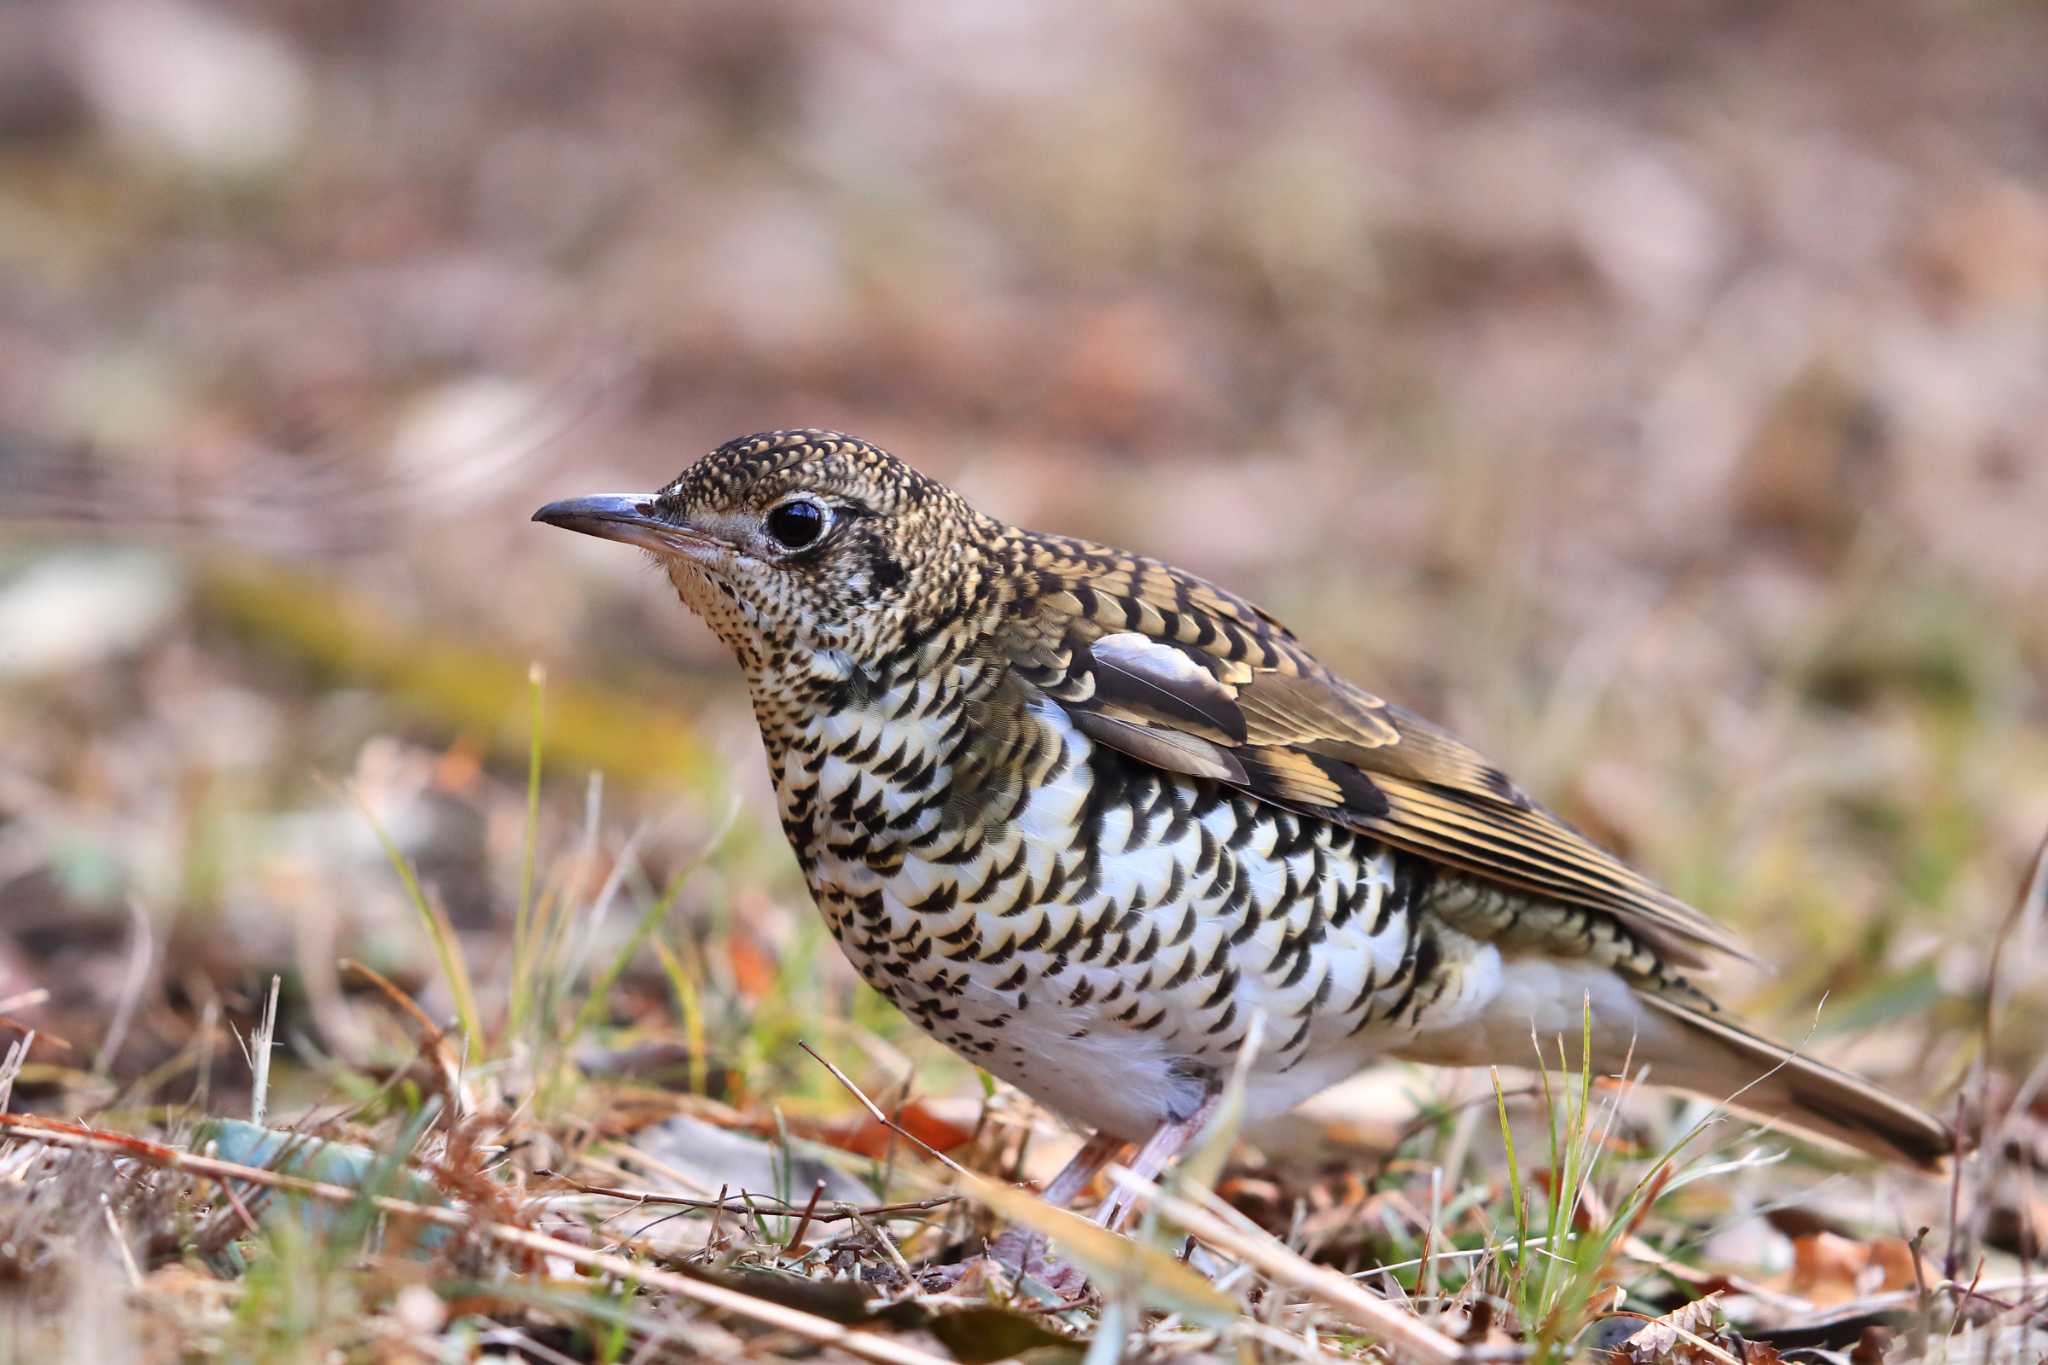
1111, 949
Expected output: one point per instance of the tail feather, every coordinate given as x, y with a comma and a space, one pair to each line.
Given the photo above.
1708, 1055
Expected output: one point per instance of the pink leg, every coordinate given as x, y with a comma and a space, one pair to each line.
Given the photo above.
1168, 1141
1074, 1177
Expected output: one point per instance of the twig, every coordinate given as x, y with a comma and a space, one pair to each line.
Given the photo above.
717, 1219
803, 1224
1403, 1332
29, 999
823, 1331
1698, 1280
2034, 890
50, 1039
433, 1040
241, 1209
888, 1247
837, 1211
640, 1157
1248, 1329
141, 951
875, 1111
1951, 1255
134, 1272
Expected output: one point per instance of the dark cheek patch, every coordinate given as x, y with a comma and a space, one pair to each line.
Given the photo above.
883, 571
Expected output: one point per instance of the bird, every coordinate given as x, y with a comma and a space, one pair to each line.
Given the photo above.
1096, 824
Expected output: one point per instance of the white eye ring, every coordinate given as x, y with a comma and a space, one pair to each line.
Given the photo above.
797, 523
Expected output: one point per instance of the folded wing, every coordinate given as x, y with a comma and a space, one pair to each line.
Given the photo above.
1181, 675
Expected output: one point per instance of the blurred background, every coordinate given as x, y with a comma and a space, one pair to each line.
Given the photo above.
1657, 394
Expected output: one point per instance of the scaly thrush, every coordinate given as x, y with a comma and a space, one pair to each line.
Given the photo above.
1083, 817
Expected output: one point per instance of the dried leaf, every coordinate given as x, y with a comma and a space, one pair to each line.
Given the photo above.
1679, 1337
753, 967
863, 1136
1829, 1268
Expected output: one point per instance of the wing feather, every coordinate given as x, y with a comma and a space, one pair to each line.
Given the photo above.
1248, 706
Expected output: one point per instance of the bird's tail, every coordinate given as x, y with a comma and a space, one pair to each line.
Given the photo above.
1706, 1054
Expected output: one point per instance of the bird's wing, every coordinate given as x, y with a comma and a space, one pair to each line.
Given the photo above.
1187, 677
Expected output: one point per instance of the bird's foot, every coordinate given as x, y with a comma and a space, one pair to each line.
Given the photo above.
1016, 1255
1030, 1255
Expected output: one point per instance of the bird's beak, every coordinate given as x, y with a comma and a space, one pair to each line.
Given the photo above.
630, 518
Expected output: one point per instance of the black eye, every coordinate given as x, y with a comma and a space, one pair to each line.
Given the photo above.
798, 523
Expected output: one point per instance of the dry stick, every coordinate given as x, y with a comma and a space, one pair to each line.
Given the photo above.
432, 1036
2033, 890
1249, 1329
682, 1179
121, 1245
824, 1331
8, 1021
1402, 1331
141, 951
431, 1048
717, 1219
1951, 1256
882, 1118
1693, 1278
26, 1000
803, 1224
837, 1211
241, 1209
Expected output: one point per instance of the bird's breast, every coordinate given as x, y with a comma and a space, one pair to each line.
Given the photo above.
1108, 938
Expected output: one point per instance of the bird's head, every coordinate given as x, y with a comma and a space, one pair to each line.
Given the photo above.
811, 554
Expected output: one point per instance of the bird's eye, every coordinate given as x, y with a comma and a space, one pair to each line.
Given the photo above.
797, 523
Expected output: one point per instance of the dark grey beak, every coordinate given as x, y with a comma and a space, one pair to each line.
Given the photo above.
627, 517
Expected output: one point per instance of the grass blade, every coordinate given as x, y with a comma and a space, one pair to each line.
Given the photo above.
439, 932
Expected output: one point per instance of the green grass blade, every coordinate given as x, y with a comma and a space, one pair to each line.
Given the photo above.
682, 982
1507, 1137
536, 685
439, 932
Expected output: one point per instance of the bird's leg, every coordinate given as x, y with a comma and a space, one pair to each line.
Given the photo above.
1168, 1141
1024, 1250
1074, 1177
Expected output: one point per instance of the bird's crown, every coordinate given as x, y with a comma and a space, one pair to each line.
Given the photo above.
770, 463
